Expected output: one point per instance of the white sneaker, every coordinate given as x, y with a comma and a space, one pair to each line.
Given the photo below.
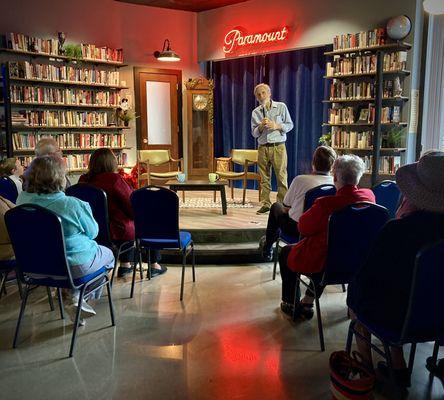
85, 306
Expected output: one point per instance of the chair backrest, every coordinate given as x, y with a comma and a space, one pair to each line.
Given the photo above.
424, 320
351, 232
98, 201
155, 157
387, 194
316, 192
238, 156
156, 213
37, 239
8, 189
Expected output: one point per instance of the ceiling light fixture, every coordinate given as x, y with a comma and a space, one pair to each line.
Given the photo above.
167, 54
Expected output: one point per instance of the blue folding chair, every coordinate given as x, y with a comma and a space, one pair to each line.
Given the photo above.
351, 231
388, 195
424, 320
8, 189
156, 219
310, 197
98, 201
41, 260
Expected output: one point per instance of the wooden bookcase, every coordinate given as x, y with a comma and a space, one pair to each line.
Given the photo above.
363, 78
73, 100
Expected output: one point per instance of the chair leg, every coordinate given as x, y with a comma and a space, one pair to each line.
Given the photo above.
139, 257
110, 301
193, 260
3, 284
22, 311
20, 289
59, 297
343, 288
214, 197
149, 265
321, 331
183, 196
76, 322
116, 259
244, 191
182, 281
351, 329
435, 353
232, 190
412, 357
51, 303
276, 258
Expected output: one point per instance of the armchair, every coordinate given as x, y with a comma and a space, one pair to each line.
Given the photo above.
157, 158
224, 167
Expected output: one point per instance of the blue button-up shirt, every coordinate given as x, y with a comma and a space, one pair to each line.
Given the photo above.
278, 113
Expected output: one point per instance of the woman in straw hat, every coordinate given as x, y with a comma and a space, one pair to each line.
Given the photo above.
390, 264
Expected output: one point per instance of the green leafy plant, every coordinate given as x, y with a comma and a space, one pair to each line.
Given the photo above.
325, 140
126, 117
396, 137
73, 51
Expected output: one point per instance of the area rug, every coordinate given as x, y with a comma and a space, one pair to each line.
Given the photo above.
209, 203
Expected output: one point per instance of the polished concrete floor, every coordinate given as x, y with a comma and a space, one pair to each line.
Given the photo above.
227, 340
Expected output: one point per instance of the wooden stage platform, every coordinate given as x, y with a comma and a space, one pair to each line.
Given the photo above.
222, 238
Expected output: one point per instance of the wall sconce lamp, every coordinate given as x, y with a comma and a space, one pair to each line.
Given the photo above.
167, 54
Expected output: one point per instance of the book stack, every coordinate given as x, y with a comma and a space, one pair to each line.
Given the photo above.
66, 118
351, 139
344, 115
18, 41
395, 61
387, 164
92, 52
351, 90
18, 118
352, 65
375, 37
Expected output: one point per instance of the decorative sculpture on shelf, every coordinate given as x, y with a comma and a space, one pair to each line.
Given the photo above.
62, 38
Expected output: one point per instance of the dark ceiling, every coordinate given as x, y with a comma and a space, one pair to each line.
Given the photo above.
186, 5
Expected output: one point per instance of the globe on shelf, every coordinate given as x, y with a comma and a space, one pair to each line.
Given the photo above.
399, 27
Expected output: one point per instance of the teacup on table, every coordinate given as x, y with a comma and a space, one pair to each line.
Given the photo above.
181, 177
212, 177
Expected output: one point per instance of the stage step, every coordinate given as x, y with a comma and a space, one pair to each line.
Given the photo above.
219, 253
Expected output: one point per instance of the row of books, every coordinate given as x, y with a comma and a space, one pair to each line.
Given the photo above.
48, 118
352, 139
363, 115
76, 161
342, 90
69, 140
364, 64
21, 42
64, 96
63, 73
387, 164
104, 53
375, 37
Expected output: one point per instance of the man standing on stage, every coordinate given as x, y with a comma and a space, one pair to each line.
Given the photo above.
270, 122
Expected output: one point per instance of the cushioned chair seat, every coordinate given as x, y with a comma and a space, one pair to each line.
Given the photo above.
289, 239
7, 264
230, 174
54, 282
185, 239
171, 174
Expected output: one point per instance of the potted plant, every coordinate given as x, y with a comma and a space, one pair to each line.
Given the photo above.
73, 51
126, 117
325, 140
395, 137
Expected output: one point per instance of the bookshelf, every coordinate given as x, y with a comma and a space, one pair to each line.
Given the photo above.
365, 116
73, 100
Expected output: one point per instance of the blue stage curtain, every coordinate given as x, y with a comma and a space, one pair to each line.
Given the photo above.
295, 77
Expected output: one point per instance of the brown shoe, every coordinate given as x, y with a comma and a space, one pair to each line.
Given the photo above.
263, 210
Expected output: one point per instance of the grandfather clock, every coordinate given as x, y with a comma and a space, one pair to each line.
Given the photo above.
200, 127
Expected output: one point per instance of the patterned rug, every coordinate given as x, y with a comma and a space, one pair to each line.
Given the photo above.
209, 203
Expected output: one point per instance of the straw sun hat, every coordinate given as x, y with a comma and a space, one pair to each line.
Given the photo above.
422, 183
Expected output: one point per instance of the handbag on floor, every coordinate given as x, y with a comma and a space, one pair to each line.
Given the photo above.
350, 379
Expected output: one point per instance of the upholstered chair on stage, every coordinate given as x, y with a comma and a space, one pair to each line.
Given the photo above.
157, 158
224, 167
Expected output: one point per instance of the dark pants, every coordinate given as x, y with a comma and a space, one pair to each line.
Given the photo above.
130, 255
290, 280
278, 219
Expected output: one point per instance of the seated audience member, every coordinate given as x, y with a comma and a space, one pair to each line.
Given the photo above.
44, 183
308, 256
390, 264
102, 173
12, 168
285, 216
48, 146
6, 251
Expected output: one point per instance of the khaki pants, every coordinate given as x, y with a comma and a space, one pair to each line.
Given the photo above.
276, 157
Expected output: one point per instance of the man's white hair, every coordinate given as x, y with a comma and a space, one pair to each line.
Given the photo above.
47, 146
260, 86
349, 169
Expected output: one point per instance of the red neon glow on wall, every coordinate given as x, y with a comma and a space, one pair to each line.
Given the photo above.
237, 39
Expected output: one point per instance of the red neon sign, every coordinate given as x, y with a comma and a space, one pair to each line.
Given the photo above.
237, 38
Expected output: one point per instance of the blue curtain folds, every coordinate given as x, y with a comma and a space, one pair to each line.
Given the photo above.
295, 77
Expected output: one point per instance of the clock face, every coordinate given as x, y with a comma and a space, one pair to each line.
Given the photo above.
200, 102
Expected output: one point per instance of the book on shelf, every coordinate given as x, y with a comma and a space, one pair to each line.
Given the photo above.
363, 115
375, 37
104, 53
351, 139
59, 118
387, 164
64, 96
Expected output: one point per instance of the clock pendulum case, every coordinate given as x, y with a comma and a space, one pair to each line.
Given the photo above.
200, 127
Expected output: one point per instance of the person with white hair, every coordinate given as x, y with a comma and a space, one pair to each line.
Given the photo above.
270, 123
308, 256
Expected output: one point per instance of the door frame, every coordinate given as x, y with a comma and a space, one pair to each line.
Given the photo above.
178, 73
